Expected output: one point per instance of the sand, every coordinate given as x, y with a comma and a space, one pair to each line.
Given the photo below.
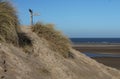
44, 63
109, 61
102, 49
98, 48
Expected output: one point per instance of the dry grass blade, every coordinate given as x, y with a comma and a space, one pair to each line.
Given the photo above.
8, 23
57, 41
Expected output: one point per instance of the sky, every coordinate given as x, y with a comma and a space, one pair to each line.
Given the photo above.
75, 18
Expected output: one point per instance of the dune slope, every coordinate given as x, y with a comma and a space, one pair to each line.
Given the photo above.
43, 63
40, 52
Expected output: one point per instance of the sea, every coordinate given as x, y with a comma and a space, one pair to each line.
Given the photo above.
96, 41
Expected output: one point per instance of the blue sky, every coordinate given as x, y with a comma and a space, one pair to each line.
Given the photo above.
75, 18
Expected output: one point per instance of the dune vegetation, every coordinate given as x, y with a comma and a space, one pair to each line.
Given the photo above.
41, 52
58, 42
9, 24
10, 31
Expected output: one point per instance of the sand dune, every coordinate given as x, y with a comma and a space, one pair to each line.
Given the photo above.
40, 52
44, 63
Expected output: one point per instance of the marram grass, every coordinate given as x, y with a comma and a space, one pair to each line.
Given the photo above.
10, 32
9, 24
57, 41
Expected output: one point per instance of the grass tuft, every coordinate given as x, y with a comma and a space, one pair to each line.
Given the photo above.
10, 32
9, 24
56, 40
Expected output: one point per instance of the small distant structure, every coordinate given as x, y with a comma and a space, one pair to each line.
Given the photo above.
31, 15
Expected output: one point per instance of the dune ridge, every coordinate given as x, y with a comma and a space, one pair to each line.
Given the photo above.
30, 56
44, 63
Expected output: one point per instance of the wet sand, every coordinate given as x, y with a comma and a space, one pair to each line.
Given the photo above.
96, 48
113, 49
109, 61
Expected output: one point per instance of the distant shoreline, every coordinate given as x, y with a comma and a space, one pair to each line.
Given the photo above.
98, 48
110, 49
109, 61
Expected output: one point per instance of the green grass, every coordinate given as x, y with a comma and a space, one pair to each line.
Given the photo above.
57, 41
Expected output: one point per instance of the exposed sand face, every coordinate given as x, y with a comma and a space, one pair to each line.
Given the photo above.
43, 63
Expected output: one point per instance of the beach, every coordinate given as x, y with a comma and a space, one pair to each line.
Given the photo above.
109, 61
99, 48
108, 54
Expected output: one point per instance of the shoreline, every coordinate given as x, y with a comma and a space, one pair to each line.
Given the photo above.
109, 61
109, 49
98, 48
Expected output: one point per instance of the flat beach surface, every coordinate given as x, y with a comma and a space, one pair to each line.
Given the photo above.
98, 48
109, 61
109, 49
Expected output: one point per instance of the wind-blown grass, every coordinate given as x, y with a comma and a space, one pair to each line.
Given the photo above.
10, 32
9, 24
56, 40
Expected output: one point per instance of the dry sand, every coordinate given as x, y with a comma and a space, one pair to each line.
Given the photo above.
44, 63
